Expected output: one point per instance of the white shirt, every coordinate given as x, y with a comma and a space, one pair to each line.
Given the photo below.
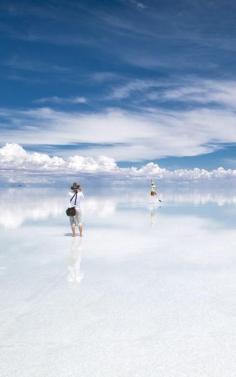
79, 201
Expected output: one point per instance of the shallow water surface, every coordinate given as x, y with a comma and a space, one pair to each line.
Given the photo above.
148, 291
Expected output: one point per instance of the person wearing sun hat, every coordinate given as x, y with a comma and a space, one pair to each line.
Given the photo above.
76, 201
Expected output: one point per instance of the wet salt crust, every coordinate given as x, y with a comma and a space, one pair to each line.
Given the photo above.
147, 291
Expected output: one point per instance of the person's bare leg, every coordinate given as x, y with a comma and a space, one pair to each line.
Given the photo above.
73, 230
80, 230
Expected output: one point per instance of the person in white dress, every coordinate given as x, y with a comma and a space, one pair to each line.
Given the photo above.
153, 191
76, 200
153, 202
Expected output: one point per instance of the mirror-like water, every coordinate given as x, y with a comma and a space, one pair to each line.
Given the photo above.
148, 291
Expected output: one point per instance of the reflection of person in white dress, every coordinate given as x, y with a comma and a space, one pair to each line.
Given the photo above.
153, 202
74, 273
153, 213
76, 200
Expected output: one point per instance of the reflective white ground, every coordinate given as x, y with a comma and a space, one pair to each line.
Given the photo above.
149, 290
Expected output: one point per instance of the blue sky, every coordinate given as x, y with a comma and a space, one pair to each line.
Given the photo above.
137, 81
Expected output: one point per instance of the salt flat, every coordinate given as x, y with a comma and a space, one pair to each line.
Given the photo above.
146, 292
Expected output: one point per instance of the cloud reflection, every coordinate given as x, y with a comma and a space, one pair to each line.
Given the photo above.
19, 206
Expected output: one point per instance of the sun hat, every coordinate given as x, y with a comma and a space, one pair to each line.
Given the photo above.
75, 186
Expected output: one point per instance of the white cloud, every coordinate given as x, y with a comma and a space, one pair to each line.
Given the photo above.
18, 206
89, 164
149, 133
196, 174
138, 85
19, 63
123, 135
137, 4
194, 90
204, 92
61, 100
13, 156
104, 76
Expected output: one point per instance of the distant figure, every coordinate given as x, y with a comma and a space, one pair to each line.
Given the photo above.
153, 191
76, 201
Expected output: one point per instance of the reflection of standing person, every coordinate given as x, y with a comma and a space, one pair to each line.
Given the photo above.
76, 201
74, 274
153, 213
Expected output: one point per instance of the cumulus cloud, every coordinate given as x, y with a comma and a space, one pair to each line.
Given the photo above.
13, 156
196, 174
